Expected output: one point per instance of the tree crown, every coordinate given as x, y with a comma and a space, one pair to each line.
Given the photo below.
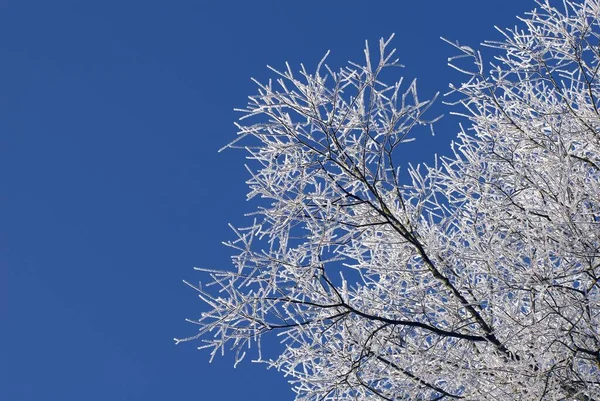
475, 278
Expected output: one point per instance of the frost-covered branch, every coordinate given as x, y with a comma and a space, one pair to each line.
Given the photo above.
476, 278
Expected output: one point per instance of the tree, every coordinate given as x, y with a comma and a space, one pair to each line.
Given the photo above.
476, 278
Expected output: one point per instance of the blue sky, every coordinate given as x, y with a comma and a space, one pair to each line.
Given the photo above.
111, 114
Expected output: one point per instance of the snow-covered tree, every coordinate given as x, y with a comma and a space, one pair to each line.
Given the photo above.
474, 278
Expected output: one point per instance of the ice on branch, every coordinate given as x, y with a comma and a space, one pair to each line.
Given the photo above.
476, 278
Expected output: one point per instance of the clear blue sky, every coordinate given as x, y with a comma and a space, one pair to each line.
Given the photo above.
111, 114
